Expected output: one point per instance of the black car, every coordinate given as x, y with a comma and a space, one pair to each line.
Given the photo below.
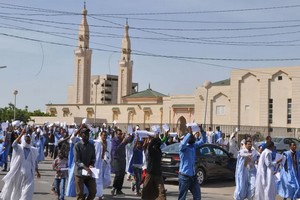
212, 162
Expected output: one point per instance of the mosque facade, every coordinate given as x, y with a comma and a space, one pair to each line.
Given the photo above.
263, 97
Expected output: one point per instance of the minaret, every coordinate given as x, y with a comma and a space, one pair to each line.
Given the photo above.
125, 67
82, 84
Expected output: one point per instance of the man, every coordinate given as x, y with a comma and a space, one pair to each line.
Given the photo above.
38, 141
6, 150
103, 158
262, 146
209, 135
222, 142
118, 155
217, 134
71, 186
19, 181
187, 177
233, 145
265, 179
289, 182
153, 187
245, 172
84, 158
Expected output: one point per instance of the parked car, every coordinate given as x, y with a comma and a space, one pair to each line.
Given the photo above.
211, 162
281, 143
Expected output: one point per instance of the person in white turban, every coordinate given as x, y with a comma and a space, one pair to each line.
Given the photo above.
19, 181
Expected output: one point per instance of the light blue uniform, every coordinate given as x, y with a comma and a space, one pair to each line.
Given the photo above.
288, 185
245, 175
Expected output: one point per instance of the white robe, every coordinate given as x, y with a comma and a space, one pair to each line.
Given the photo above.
245, 175
265, 180
129, 154
233, 146
103, 165
19, 181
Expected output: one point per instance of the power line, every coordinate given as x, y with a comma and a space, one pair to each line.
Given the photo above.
172, 39
203, 21
165, 56
205, 12
28, 8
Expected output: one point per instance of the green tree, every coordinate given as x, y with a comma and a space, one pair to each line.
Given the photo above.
7, 114
38, 113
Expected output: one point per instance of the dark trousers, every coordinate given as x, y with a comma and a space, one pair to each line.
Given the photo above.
138, 178
56, 148
153, 188
119, 166
51, 150
46, 149
187, 183
90, 183
60, 187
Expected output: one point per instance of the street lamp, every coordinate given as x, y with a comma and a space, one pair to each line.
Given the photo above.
2, 67
96, 83
15, 93
206, 85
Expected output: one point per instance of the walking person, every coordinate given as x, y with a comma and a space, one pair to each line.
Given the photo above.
217, 134
6, 147
289, 182
46, 135
19, 181
233, 144
84, 158
153, 187
222, 142
187, 176
137, 165
103, 153
71, 187
51, 142
118, 155
245, 173
38, 141
265, 178
60, 165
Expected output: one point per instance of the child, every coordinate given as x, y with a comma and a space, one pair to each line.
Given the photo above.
60, 165
137, 164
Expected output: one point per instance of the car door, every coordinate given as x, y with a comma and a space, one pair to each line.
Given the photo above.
222, 161
206, 158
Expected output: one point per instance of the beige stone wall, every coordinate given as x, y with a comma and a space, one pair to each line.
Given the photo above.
256, 86
249, 100
244, 102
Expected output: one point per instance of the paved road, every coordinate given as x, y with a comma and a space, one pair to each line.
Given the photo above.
217, 189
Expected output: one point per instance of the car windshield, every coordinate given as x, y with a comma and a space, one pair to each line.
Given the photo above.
173, 148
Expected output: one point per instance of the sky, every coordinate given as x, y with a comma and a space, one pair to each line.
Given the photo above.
176, 45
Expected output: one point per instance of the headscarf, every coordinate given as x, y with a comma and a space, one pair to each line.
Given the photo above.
24, 143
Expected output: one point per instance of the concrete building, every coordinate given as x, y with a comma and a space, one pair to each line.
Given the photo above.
267, 98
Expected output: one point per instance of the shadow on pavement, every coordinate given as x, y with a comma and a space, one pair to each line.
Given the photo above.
208, 183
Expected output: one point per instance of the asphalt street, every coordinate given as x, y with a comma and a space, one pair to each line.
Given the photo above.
214, 189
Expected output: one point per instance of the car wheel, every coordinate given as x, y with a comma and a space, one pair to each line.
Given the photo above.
201, 176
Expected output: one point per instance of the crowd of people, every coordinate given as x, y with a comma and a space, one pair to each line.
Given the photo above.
84, 159
264, 173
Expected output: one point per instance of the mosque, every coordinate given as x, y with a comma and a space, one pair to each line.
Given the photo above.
263, 99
